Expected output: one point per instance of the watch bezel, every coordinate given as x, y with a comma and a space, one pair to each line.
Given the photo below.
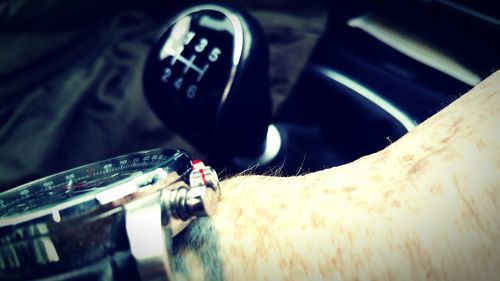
61, 213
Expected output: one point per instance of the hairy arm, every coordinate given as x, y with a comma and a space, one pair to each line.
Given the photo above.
426, 207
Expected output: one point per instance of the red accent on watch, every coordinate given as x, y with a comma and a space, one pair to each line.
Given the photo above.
199, 166
203, 176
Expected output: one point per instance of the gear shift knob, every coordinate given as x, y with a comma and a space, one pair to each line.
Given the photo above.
207, 77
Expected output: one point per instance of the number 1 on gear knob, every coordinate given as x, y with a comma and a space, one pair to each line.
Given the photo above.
207, 78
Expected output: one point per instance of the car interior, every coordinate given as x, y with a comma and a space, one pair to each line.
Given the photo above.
319, 85
382, 67
271, 87
377, 70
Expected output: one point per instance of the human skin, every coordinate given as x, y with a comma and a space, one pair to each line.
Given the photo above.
426, 207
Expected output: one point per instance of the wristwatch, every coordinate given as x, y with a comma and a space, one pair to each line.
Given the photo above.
113, 219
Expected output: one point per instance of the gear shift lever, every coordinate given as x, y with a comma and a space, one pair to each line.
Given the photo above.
207, 77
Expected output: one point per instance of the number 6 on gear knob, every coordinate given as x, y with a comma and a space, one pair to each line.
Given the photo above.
207, 77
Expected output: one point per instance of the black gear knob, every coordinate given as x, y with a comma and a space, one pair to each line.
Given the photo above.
207, 77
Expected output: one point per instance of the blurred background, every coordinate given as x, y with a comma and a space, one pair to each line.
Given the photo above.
347, 78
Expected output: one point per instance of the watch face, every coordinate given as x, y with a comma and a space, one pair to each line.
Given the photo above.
49, 192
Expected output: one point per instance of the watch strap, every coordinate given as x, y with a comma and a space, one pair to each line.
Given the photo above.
119, 266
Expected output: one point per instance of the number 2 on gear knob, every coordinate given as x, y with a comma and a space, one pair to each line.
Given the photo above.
207, 78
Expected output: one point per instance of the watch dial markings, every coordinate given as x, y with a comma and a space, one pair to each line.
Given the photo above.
50, 191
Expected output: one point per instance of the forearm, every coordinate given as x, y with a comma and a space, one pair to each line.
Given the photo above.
425, 207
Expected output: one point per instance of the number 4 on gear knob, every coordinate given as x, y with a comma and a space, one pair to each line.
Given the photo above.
207, 78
